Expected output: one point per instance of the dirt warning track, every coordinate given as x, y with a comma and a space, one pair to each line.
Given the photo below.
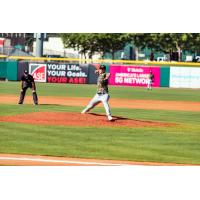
114, 102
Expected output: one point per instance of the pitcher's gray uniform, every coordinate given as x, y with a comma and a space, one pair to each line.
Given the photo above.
102, 93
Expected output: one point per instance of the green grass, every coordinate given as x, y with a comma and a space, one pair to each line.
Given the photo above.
179, 144
48, 89
137, 144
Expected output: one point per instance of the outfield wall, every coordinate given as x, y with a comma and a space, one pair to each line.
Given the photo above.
184, 77
52, 72
121, 74
8, 70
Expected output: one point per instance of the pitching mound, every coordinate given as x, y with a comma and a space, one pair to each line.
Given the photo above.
76, 119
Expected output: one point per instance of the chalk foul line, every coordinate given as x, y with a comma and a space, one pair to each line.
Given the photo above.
61, 161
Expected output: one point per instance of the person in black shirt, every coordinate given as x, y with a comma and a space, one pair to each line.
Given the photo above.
27, 81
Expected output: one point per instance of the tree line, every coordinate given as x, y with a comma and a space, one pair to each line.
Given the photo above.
90, 43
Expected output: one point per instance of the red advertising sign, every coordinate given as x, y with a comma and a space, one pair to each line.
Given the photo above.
38, 71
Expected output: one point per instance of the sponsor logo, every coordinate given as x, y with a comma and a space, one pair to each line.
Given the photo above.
38, 71
66, 73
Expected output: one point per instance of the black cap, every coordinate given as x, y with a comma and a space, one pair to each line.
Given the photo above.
102, 67
25, 71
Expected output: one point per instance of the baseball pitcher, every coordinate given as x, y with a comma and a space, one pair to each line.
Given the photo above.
102, 92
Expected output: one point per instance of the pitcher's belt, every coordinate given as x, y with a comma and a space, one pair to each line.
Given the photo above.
101, 93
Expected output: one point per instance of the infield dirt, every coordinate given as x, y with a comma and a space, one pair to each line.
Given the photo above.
77, 119
114, 102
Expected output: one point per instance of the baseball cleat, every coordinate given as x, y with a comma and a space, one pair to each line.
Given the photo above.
110, 118
84, 111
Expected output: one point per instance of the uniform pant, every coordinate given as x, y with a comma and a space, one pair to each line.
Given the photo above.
149, 84
97, 99
23, 93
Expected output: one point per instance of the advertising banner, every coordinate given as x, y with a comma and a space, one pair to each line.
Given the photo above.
56, 73
77, 74
67, 73
184, 77
133, 75
38, 71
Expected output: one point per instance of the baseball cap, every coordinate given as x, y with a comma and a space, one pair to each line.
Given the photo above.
102, 67
25, 71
